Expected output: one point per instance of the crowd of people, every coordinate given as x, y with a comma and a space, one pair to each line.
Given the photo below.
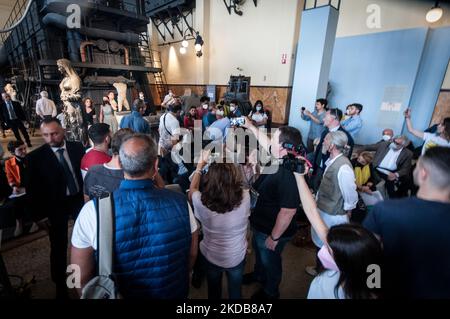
368, 205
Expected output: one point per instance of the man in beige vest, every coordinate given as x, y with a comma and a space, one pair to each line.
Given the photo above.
337, 195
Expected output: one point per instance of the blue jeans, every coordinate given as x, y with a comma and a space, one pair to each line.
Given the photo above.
268, 264
234, 280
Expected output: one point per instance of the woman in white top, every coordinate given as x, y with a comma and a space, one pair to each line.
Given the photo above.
442, 138
223, 208
347, 252
107, 115
258, 115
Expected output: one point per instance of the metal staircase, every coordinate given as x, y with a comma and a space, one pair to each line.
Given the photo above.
153, 58
15, 15
160, 79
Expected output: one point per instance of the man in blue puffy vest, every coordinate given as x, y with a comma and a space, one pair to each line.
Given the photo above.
155, 231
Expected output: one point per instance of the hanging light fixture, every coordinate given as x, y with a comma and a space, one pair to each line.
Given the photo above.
183, 50
184, 43
435, 13
198, 43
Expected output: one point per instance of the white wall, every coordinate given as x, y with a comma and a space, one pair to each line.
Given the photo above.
253, 42
446, 83
394, 15
256, 40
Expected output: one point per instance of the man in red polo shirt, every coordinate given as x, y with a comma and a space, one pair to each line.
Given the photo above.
100, 135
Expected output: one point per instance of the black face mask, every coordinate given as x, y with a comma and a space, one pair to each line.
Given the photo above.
358, 164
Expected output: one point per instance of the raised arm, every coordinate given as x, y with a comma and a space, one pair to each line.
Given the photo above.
412, 130
262, 138
310, 208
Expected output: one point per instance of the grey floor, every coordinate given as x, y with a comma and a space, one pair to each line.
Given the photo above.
28, 257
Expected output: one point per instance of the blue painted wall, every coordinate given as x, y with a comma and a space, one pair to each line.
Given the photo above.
314, 58
363, 66
429, 78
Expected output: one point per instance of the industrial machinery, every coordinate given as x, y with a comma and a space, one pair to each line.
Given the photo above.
239, 89
106, 42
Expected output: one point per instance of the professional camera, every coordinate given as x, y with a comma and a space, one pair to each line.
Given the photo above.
294, 164
290, 161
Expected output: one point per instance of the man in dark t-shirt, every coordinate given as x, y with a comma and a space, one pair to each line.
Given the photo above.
415, 233
272, 220
103, 179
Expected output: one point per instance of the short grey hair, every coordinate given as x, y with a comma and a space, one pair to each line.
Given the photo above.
139, 159
404, 138
338, 139
44, 94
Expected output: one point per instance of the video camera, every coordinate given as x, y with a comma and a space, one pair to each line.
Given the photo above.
290, 161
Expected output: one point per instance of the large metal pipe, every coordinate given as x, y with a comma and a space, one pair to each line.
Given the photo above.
59, 21
3, 56
73, 41
83, 49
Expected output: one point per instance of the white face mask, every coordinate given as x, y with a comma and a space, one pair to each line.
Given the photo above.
395, 147
141, 97
220, 113
258, 108
205, 106
386, 138
232, 108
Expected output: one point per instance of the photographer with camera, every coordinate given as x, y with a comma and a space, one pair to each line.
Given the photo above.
337, 195
272, 220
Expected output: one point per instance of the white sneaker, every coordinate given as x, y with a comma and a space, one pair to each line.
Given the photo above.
34, 228
311, 270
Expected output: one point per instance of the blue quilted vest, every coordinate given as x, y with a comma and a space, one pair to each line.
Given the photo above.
152, 241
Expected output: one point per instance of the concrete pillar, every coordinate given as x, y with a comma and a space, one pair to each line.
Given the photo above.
313, 61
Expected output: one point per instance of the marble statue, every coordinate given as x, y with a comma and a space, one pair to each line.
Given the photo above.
70, 87
121, 96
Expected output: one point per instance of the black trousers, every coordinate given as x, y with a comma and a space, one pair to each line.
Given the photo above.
396, 189
17, 125
68, 207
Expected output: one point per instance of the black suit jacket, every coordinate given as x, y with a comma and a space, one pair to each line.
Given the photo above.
47, 184
320, 159
403, 160
17, 109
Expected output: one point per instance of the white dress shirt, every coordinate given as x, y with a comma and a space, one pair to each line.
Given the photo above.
347, 185
389, 162
67, 158
45, 106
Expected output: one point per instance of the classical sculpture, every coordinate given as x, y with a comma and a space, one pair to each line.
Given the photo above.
11, 92
121, 96
70, 88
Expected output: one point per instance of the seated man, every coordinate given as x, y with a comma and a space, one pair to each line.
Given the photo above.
386, 136
392, 163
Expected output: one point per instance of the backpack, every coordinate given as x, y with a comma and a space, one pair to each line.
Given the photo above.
103, 286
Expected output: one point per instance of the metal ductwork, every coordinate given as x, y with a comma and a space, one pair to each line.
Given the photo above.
59, 21
3, 56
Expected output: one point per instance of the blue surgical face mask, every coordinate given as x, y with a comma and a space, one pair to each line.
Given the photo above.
258, 108
326, 259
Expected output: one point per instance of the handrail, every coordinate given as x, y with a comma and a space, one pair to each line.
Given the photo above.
10, 28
